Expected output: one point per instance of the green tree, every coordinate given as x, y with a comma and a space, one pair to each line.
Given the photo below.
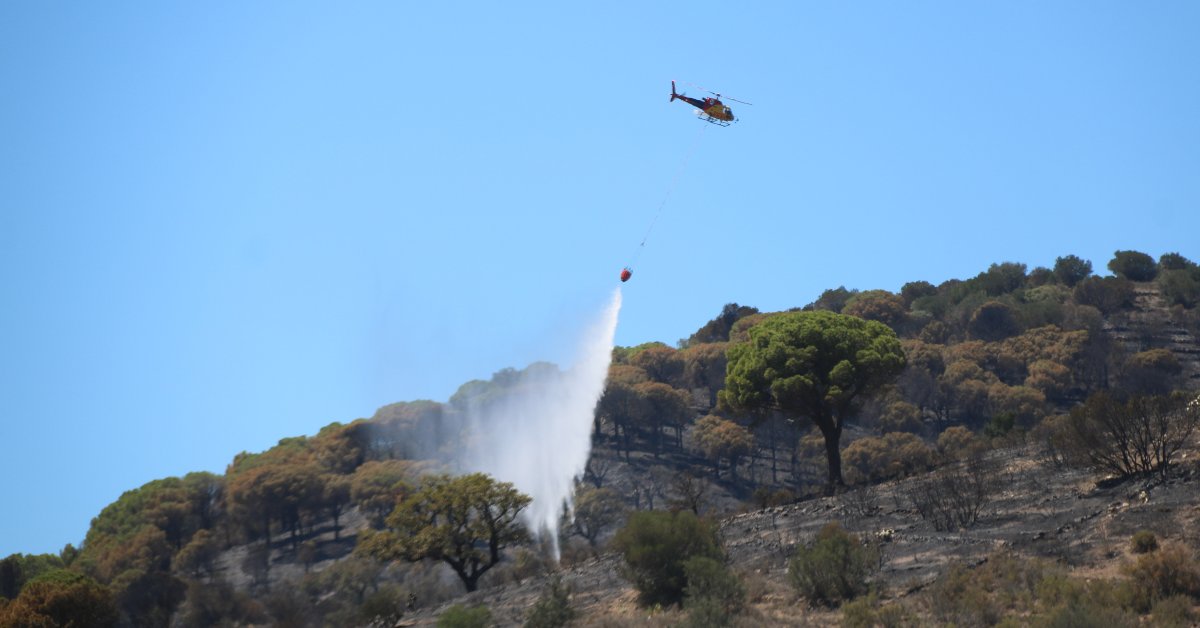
462, 521
816, 365
1133, 265
656, 545
1175, 261
1070, 270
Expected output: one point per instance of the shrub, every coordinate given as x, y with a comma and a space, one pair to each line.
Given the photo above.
1181, 287
1140, 436
833, 569
954, 497
714, 594
459, 616
655, 546
1143, 541
1158, 575
866, 612
984, 594
553, 609
1175, 610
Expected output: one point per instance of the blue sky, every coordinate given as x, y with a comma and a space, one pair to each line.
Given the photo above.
226, 223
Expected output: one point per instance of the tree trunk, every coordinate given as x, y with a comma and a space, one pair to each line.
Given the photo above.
833, 455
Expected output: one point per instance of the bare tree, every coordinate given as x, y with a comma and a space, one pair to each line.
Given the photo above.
1139, 436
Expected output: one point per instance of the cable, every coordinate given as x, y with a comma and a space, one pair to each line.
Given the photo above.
670, 189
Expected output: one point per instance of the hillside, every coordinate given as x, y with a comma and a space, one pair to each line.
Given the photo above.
1039, 511
991, 380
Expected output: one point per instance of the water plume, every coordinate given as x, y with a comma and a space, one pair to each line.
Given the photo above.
533, 427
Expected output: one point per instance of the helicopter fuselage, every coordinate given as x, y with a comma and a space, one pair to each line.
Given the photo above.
712, 107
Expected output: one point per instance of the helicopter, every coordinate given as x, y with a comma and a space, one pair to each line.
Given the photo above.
711, 109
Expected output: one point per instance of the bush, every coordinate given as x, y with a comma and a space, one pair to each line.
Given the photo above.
655, 546
954, 497
834, 569
714, 594
866, 612
553, 609
1175, 610
459, 616
1158, 575
1143, 541
984, 594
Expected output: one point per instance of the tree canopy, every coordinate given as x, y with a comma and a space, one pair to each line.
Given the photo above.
462, 521
816, 365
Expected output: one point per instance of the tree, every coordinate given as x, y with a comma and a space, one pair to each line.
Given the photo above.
704, 368
462, 521
61, 598
914, 290
833, 300
1140, 436
723, 439
663, 407
816, 365
377, 486
994, 321
1151, 372
1175, 261
656, 545
717, 330
1133, 265
1070, 270
877, 305
596, 509
1107, 294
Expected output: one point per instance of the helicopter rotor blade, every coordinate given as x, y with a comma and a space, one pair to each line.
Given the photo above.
717, 94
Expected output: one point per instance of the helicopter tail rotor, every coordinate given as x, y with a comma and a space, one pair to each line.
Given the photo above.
673, 94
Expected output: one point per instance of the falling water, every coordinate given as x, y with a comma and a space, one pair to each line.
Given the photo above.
538, 434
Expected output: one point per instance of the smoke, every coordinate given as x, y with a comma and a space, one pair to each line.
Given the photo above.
533, 427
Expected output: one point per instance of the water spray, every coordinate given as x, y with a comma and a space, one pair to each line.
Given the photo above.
538, 435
